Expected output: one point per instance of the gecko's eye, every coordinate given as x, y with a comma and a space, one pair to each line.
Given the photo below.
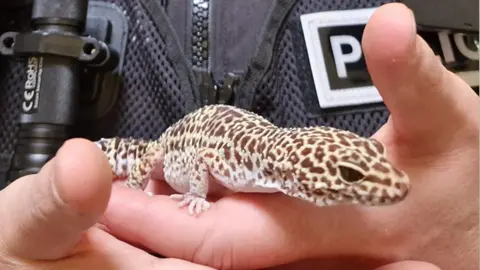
350, 175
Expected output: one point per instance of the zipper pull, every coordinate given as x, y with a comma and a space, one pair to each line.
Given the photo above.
226, 94
211, 92
208, 89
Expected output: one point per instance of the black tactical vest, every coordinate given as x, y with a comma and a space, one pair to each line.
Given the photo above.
184, 54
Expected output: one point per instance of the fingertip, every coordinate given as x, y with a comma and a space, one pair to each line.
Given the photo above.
389, 36
412, 81
82, 177
54, 207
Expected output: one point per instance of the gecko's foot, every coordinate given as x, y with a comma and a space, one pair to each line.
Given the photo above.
196, 204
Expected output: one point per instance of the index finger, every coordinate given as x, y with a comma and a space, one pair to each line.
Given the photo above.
243, 231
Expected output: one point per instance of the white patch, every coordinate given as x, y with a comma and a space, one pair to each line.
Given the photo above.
120, 164
176, 171
333, 42
247, 182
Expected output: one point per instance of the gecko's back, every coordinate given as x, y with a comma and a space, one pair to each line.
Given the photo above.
319, 164
246, 153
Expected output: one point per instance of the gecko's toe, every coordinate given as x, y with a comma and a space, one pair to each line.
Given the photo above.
201, 205
196, 204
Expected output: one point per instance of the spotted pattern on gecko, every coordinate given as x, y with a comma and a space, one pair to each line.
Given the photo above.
223, 147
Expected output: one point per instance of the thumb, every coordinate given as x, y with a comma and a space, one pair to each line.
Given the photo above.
43, 215
424, 98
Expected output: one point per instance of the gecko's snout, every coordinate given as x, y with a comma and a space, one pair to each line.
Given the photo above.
385, 191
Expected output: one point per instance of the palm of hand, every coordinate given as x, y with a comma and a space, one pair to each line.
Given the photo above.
432, 134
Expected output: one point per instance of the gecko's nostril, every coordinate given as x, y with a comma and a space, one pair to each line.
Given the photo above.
403, 188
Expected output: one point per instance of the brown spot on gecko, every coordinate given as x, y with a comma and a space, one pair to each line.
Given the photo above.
379, 167
261, 147
220, 131
294, 159
363, 187
244, 141
227, 153
228, 119
306, 151
302, 176
333, 147
357, 143
326, 181
370, 152
402, 187
306, 186
306, 163
288, 174
384, 182
318, 170
330, 168
344, 142
238, 157
248, 163
378, 146
319, 155
311, 141
251, 145
289, 148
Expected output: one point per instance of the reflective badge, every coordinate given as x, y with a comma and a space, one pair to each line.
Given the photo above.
333, 42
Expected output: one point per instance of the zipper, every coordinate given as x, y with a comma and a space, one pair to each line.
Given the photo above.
211, 91
200, 34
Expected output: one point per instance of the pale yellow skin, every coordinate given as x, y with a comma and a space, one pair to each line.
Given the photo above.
221, 148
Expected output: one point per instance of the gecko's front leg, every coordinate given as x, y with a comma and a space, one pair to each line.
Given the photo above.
140, 172
198, 173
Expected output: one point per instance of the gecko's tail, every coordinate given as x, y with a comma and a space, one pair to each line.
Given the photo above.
122, 153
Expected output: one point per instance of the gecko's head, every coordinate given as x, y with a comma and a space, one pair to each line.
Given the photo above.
357, 173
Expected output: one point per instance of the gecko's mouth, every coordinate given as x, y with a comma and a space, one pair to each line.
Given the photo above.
333, 191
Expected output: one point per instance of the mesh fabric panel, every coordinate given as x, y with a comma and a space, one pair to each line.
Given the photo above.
151, 98
280, 96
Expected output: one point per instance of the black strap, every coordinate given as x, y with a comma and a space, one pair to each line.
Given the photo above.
175, 53
262, 59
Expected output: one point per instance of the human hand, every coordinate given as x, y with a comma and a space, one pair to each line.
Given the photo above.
432, 135
48, 219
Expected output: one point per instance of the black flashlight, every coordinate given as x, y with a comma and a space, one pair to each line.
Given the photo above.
56, 54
